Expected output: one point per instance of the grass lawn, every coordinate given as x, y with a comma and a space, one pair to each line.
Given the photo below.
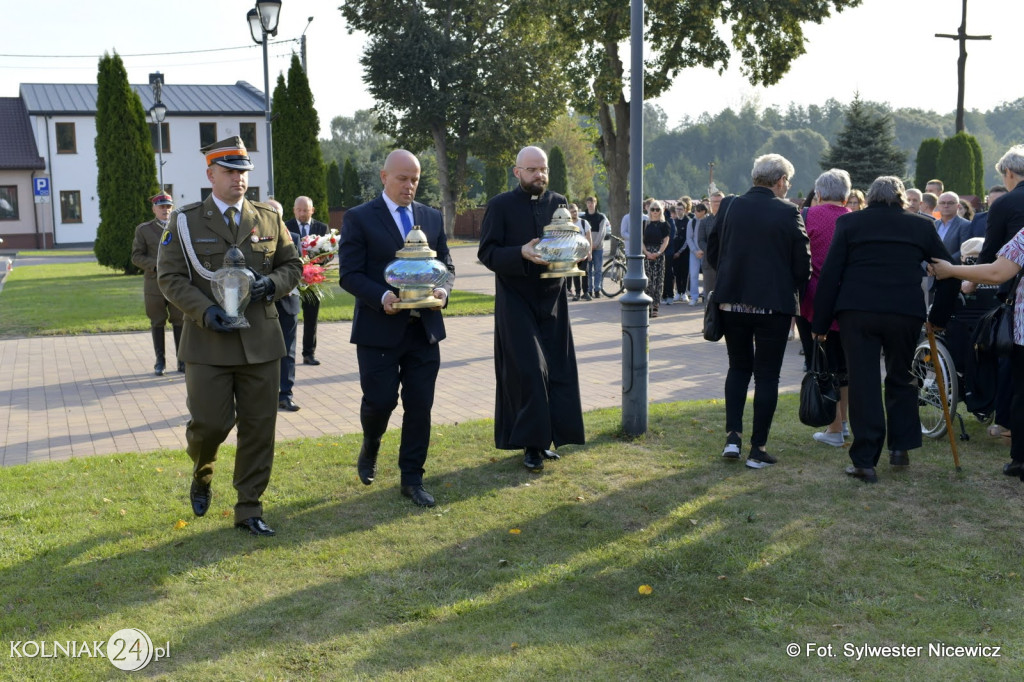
522, 576
94, 299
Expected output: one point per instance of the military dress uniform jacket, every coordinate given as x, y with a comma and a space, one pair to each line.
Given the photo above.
144, 251
268, 250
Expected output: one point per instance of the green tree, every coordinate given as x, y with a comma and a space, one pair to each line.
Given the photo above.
559, 178
804, 148
956, 164
572, 133
298, 163
979, 167
125, 166
495, 180
927, 166
462, 76
356, 139
351, 190
335, 196
865, 147
766, 36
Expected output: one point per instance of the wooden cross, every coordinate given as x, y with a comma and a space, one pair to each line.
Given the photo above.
962, 37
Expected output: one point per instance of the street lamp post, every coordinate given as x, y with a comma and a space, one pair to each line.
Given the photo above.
157, 114
263, 23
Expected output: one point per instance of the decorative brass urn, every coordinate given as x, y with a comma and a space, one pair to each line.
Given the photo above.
416, 272
562, 246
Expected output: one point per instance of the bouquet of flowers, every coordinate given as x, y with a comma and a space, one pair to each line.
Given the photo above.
318, 252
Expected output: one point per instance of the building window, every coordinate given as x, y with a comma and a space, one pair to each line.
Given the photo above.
252, 194
247, 131
66, 143
8, 202
207, 134
71, 207
166, 132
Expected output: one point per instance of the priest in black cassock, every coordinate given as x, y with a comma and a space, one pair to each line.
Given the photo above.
538, 396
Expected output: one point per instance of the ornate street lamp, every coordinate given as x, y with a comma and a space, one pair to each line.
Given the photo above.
263, 20
158, 113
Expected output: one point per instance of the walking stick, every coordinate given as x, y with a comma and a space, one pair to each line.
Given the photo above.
940, 380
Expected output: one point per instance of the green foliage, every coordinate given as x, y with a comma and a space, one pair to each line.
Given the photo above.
462, 76
956, 164
865, 148
355, 138
125, 166
495, 181
351, 194
804, 148
927, 166
335, 194
298, 162
979, 167
574, 135
558, 181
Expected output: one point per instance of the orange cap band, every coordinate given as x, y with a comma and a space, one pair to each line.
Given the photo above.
220, 153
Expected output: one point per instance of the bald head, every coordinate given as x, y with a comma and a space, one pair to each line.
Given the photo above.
948, 202
303, 209
532, 170
401, 176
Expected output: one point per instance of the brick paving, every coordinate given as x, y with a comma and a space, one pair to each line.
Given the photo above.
76, 396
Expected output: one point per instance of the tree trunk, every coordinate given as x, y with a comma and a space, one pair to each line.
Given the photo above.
613, 144
444, 180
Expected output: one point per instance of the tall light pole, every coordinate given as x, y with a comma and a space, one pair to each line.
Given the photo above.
302, 45
263, 23
157, 114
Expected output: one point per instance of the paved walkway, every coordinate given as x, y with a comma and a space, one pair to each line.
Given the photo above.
75, 396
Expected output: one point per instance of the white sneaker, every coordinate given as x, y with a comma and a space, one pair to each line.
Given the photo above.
846, 429
833, 439
676, 297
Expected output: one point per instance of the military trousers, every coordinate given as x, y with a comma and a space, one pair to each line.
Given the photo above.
220, 397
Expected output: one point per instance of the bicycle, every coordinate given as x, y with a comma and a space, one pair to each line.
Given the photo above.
614, 270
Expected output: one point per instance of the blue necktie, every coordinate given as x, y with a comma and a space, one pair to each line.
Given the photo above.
403, 212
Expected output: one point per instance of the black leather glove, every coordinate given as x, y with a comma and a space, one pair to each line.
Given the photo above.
215, 318
262, 288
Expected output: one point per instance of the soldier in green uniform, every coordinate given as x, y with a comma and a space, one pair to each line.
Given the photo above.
231, 375
158, 308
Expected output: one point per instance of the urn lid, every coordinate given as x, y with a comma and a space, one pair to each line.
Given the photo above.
561, 220
416, 246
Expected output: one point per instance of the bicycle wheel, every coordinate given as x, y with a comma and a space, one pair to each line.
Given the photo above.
613, 280
929, 405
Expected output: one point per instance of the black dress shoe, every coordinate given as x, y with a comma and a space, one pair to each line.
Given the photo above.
899, 459
309, 360
158, 368
1013, 468
366, 465
866, 475
418, 495
181, 366
533, 459
550, 454
287, 404
256, 526
200, 494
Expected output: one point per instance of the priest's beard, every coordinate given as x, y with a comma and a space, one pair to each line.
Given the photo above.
535, 188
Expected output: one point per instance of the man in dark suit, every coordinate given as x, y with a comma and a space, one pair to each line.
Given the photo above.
304, 225
953, 230
980, 222
288, 315
393, 346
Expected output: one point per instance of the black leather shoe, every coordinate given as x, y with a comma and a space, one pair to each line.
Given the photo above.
287, 404
366, 465
418, 495
899, 459
533, 459
256, 526
1014, 468
866, 475
200, 495
158, 368
550, 454
181, 366
309, 360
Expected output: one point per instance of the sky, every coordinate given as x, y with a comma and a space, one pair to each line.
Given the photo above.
884, 49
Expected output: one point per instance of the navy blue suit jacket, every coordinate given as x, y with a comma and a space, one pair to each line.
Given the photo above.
369, 240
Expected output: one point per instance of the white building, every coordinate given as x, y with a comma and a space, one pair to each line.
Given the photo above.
63, 119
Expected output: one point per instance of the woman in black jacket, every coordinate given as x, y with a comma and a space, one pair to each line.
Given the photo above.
871, 284
759, 248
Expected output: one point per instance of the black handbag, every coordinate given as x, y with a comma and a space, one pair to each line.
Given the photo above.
712, 318
994, 333
819, 391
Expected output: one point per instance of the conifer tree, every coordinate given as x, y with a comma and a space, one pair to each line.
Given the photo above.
927, 166
495, 180
125, 166
956, 164
298, 162
866, 147
979, 167
335, 197
351, 190
559, 178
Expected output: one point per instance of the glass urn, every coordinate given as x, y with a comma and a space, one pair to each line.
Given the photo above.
562, 246
231, 285
416, 272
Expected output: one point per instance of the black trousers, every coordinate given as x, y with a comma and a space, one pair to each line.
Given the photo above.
289, 326
411, 366
756, 345
865, 336
1017, 404
310, 313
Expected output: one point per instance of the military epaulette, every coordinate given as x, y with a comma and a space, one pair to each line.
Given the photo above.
265, 207
190, 207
